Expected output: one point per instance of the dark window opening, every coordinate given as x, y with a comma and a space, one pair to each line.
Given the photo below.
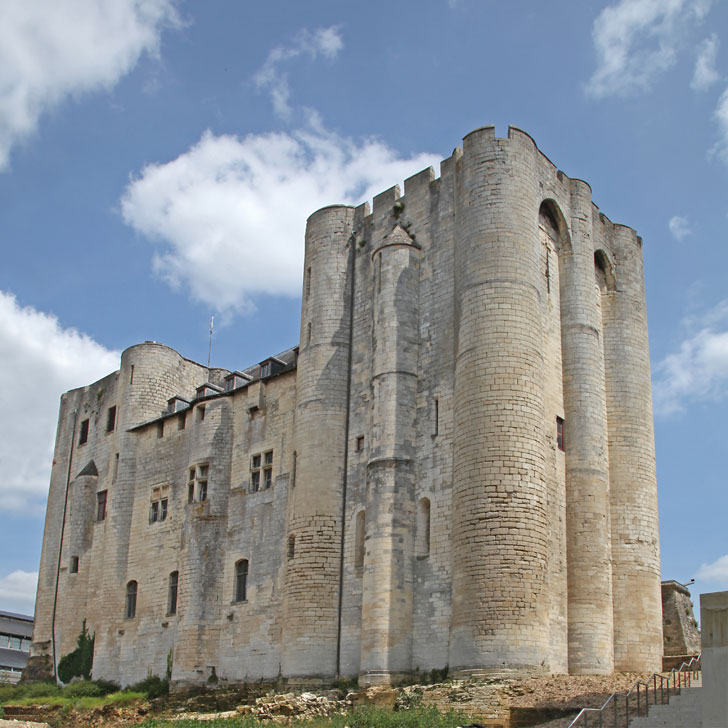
131, 600
74, 564
160, 429
308, 282
116, 468
268, 469
172, 593
308, 336
422, 536
111, 419
241, 580
101, 505
291, 546
360, 443
83, 435
359, 539
436, 424
163, 509
293, 470
560, 434
131, 375
155, 511
181, 421
201, 413
190, 492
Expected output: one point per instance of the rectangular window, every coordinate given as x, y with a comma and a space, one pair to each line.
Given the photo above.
101, 505
360, 443
268, 469
197, 483
201, 413
111, 419
155, 511
241, 580
83, 435
560, 434
255, 481
131, 599
74, 564
116, 468
181, 421
172, 593
293, 469
160, 429
163, 509
436, 424
265, 370
308, 282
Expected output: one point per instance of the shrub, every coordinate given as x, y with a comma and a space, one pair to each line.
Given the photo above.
79, 662
152, 686
82, 689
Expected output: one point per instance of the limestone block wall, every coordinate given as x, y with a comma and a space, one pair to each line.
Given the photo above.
457, 472
680, 630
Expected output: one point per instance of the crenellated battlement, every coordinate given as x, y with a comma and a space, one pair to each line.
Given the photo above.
455, 467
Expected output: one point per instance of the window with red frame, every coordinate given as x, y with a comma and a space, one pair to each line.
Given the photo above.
101, 505
560, 434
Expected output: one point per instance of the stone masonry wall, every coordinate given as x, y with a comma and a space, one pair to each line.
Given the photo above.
423, 511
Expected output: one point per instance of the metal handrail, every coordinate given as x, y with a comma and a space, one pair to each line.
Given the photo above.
680, 677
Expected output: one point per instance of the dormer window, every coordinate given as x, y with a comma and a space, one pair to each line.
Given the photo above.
206, 389
175, 404
265, 369
235, 380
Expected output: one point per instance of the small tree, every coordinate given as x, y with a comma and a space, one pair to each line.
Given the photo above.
79, 662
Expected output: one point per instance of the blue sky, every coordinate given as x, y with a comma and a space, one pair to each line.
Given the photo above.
158, 159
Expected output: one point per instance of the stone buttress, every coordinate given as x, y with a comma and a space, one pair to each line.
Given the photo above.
499, 533
312, 570
386, 647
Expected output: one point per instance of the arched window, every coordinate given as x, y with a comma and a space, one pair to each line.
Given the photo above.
131, 600
359, 539
241, 580
422, 543
291, 546
172, 593
603, 272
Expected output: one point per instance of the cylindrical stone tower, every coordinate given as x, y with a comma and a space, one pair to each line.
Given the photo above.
386, 646
633, 480
315, 502
499, 534
587, 466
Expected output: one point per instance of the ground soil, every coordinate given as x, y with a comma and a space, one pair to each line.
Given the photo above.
537, 698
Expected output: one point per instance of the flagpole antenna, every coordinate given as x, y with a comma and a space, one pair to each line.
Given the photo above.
209, 348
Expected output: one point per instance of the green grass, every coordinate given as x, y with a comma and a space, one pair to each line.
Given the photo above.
120, 698
359, 718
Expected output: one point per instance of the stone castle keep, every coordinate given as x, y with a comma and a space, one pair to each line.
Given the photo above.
454, 468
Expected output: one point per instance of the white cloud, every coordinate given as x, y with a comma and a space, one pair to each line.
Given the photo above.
17, 591
705, 73
322, 41
636, 40
51, 50
717, 572
721, 118
39, 360
680, 227
698, 371
229, 214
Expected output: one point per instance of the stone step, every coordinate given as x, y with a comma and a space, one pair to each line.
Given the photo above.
683, 711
